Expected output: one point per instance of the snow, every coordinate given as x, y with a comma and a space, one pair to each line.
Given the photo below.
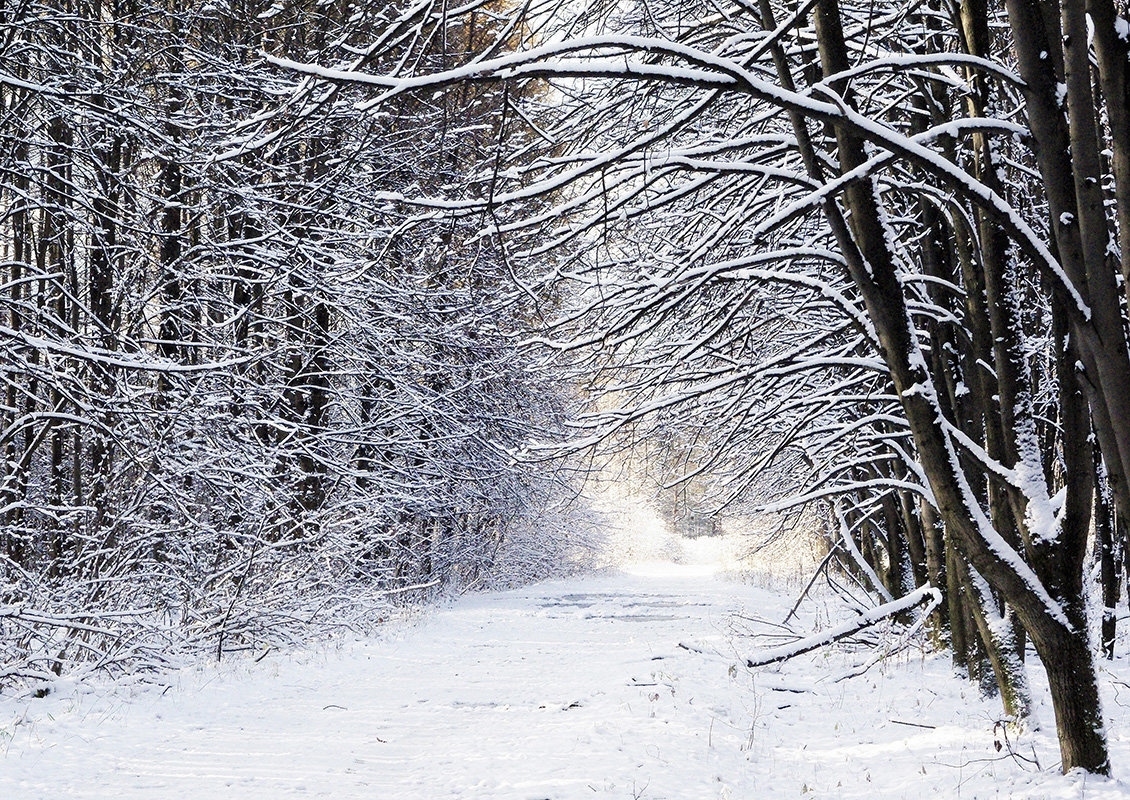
573, 688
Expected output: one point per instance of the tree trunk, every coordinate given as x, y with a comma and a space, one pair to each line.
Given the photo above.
876, 278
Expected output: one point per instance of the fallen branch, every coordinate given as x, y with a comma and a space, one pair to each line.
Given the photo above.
903, 641
865, 619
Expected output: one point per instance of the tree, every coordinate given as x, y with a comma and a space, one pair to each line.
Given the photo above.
239, 384
940, 185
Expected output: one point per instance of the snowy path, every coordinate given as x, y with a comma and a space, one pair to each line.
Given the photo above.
560, 690
571, 689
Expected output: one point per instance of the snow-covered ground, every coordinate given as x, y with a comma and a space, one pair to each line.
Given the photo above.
569, 689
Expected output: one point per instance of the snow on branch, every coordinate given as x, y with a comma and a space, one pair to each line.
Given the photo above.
926, 594
551, 60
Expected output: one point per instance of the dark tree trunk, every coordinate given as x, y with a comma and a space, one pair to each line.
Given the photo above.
1080, 731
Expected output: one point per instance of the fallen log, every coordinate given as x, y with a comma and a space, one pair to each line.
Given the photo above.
865, 619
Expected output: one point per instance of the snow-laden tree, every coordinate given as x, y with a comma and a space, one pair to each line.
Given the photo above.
944, 179
240, 386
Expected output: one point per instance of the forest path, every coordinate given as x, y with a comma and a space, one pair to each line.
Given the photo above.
566, 690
